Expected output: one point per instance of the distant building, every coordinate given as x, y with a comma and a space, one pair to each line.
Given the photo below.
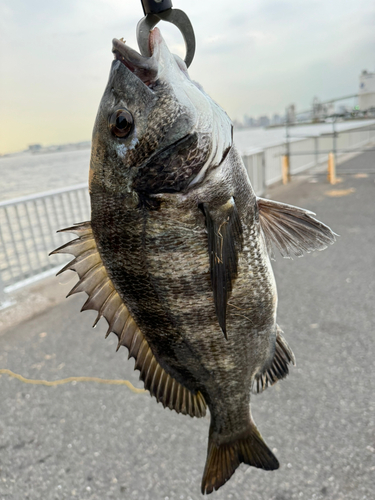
35, 147
344, 110
366, 94
329, 109
276, 119
249, 121
263, 121
321, 110
317, 110
291, 113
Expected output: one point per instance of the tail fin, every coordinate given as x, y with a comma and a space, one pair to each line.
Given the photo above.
223, 459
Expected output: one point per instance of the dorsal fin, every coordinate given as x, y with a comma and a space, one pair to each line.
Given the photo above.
279, 366
103, 297
292, 230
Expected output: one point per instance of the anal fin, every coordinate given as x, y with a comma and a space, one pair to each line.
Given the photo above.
279, 367
104, 298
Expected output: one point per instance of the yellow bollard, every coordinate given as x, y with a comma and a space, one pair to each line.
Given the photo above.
285, 170
331, 169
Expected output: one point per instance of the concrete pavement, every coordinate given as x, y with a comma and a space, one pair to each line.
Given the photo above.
97, 442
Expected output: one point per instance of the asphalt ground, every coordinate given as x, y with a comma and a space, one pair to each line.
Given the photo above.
91, 441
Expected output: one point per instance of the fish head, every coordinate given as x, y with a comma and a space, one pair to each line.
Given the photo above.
151, 112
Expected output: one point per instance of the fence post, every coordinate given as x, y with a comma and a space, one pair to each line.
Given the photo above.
316, 144
3, 299
285, 169
263, 171
331, 169
334, 141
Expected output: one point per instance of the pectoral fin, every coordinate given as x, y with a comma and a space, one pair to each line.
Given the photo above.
291, 229
224, 242
103, 297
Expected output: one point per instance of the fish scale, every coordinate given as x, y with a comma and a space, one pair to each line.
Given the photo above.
131, 275
177, 254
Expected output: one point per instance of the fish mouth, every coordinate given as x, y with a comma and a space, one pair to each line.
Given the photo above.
145, 68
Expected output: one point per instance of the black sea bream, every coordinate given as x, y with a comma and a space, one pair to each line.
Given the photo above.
177, 254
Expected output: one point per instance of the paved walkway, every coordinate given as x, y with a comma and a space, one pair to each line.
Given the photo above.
92, 441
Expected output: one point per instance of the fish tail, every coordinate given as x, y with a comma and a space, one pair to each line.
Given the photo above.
224, 457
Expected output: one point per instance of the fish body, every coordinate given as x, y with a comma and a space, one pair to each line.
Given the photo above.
177, 254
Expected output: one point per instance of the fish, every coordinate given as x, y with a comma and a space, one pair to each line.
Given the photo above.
177, 254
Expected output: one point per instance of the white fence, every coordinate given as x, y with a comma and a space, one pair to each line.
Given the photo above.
28, 225
28, 228
255, 167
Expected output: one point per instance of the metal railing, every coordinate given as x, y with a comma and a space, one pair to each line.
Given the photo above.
28, 228
307, 152
28, 225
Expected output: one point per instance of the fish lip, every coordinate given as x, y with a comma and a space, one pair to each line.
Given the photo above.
146, 68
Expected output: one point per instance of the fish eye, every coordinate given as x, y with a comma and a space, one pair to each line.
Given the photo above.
121, 123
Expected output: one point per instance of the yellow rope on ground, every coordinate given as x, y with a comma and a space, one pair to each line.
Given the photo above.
52, 383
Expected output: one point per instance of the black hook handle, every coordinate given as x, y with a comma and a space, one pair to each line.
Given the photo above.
155, 6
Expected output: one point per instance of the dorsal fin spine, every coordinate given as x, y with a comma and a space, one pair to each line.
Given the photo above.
135, 345
180, 398
103, 287
146, 363
103, 306
68, 267
168, 392
127, 332
108, 299
111, 309
160, 385
155, 380
112, 322
150, 369
141, 354
174, 391
188, 400
77, 287
80, 229
85, 242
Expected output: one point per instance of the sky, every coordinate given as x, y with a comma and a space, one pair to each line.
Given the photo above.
253, 57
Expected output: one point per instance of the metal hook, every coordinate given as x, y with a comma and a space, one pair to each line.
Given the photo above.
161, 10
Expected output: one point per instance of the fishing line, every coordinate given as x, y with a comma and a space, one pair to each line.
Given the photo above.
53, 383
